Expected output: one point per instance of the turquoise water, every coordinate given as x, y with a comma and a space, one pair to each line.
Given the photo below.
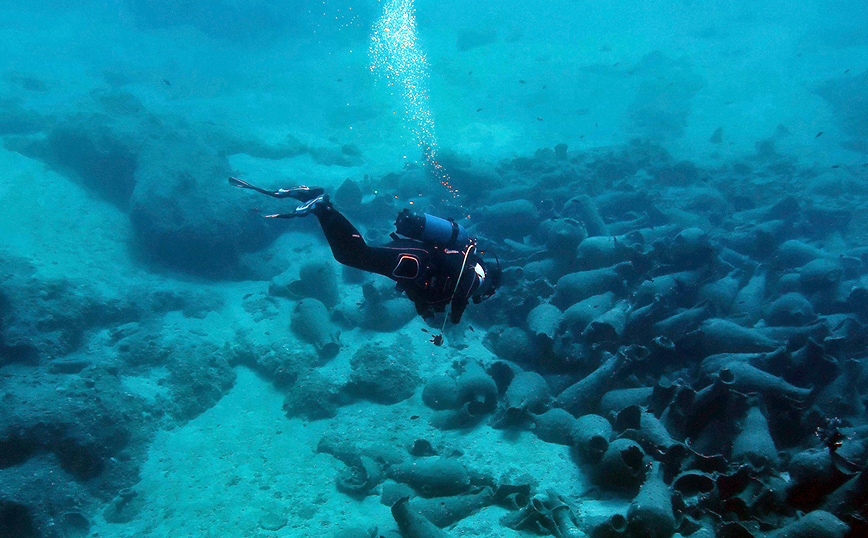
707, 159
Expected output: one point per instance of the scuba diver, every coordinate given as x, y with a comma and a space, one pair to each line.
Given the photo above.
434, 263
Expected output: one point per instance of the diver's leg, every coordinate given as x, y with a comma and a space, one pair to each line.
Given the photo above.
304, 209
347, 244
349, 248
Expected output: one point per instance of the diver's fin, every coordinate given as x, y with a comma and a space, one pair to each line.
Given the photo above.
235, 182
301, 193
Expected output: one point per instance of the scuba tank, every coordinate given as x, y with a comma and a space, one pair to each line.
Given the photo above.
430, 229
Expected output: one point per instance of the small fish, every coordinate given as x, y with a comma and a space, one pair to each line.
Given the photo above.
539, 118
247, 296
818, 135
581, 137
544, 86
470, 72
166, 82
424, 330
846, 71
414, 417
479, 110
471, 328
836, 166
340, 80
521, 81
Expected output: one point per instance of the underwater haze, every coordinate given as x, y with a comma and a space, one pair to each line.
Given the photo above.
676, 193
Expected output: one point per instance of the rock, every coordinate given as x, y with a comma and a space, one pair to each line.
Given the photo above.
45, 318
314, 397
199, 376
35, 495
383, 373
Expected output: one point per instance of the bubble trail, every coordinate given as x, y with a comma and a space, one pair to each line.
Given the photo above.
397, 57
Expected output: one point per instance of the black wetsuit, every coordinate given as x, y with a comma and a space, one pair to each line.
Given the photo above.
425, 272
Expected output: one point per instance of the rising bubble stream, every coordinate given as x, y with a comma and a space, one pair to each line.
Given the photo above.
397, 58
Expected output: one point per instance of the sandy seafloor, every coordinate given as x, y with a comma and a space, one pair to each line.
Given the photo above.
564, 80
242, 459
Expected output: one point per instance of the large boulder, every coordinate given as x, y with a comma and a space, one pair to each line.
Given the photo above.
91, 150
187, 217
70, 434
